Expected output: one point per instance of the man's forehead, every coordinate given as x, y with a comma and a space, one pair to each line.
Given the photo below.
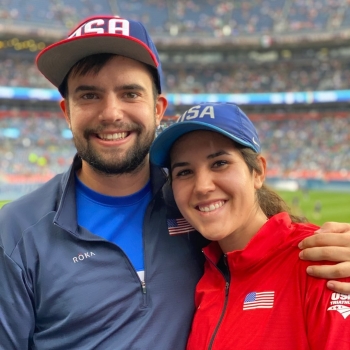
93, 65
120, 80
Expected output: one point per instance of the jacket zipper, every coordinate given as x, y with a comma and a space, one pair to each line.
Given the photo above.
148, 212
223, 311
143, 285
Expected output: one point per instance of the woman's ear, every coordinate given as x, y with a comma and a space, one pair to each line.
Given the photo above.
259, 178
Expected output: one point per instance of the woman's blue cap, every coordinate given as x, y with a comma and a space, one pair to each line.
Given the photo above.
225, 118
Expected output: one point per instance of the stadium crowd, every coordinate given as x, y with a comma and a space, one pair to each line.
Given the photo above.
238, 77
34, 143
189, 17
40, 143
243, 77
303, 70
19, 71
307, 146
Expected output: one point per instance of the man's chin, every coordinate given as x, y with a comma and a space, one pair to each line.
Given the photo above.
117, 162
112, 169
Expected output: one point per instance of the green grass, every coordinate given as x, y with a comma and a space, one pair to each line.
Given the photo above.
335, 206
2, 203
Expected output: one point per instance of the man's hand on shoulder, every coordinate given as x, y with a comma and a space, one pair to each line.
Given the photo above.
331, 243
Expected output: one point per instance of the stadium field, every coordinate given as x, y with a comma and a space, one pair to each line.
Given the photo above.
2, 203
317, 206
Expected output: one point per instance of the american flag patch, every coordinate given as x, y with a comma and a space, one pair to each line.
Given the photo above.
178, 226
261, 300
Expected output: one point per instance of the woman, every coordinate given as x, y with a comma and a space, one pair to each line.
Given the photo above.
254, 293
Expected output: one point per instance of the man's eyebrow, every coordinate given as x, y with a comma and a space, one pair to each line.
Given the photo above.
130, 87
87, 88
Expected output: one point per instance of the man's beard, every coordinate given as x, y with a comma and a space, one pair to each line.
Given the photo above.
130, 162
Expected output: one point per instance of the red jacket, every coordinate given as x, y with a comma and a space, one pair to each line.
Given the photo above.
269, 301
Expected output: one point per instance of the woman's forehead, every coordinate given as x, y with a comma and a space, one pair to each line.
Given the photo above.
203, 137
197, 141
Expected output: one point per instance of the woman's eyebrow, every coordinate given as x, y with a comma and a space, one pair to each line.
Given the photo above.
210, 156
179, 164
217, 154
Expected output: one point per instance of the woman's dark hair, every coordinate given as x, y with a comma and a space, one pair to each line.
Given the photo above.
95, 63
269, 201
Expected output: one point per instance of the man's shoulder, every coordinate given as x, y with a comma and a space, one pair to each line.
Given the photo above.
32, 201
28, 209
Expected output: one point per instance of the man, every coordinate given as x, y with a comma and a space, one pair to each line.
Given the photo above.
86, 261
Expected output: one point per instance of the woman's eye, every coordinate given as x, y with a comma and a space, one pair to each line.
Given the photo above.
183, 173
219, 163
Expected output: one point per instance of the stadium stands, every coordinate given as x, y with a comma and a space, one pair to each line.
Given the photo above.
274, 71
189, 17
38, 143
51, 13
284, 75
308, 147
35, 144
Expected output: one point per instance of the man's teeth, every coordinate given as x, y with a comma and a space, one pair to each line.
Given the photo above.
212, 207
116, 136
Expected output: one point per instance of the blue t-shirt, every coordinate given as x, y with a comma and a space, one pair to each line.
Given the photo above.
116, 219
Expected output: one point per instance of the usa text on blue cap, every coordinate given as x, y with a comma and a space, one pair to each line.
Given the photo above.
225, 118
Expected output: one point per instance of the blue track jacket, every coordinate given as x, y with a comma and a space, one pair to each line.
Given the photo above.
62, 287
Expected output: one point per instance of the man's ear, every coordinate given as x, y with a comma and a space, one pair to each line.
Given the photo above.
161, 105
260, 178
65, 110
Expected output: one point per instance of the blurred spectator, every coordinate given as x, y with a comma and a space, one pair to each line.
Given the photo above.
310, 70
43, 144
189, 17
321, 145
239, 77
50, 13
34, 144
39, 143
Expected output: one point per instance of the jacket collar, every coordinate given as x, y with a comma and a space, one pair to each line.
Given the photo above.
271, 237
66, 216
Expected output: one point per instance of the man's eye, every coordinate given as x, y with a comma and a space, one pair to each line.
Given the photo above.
131, 94
89, 96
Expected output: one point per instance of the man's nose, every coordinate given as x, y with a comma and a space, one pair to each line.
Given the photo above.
111, 110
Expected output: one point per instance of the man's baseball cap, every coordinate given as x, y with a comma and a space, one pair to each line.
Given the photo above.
225, 118
95, 35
